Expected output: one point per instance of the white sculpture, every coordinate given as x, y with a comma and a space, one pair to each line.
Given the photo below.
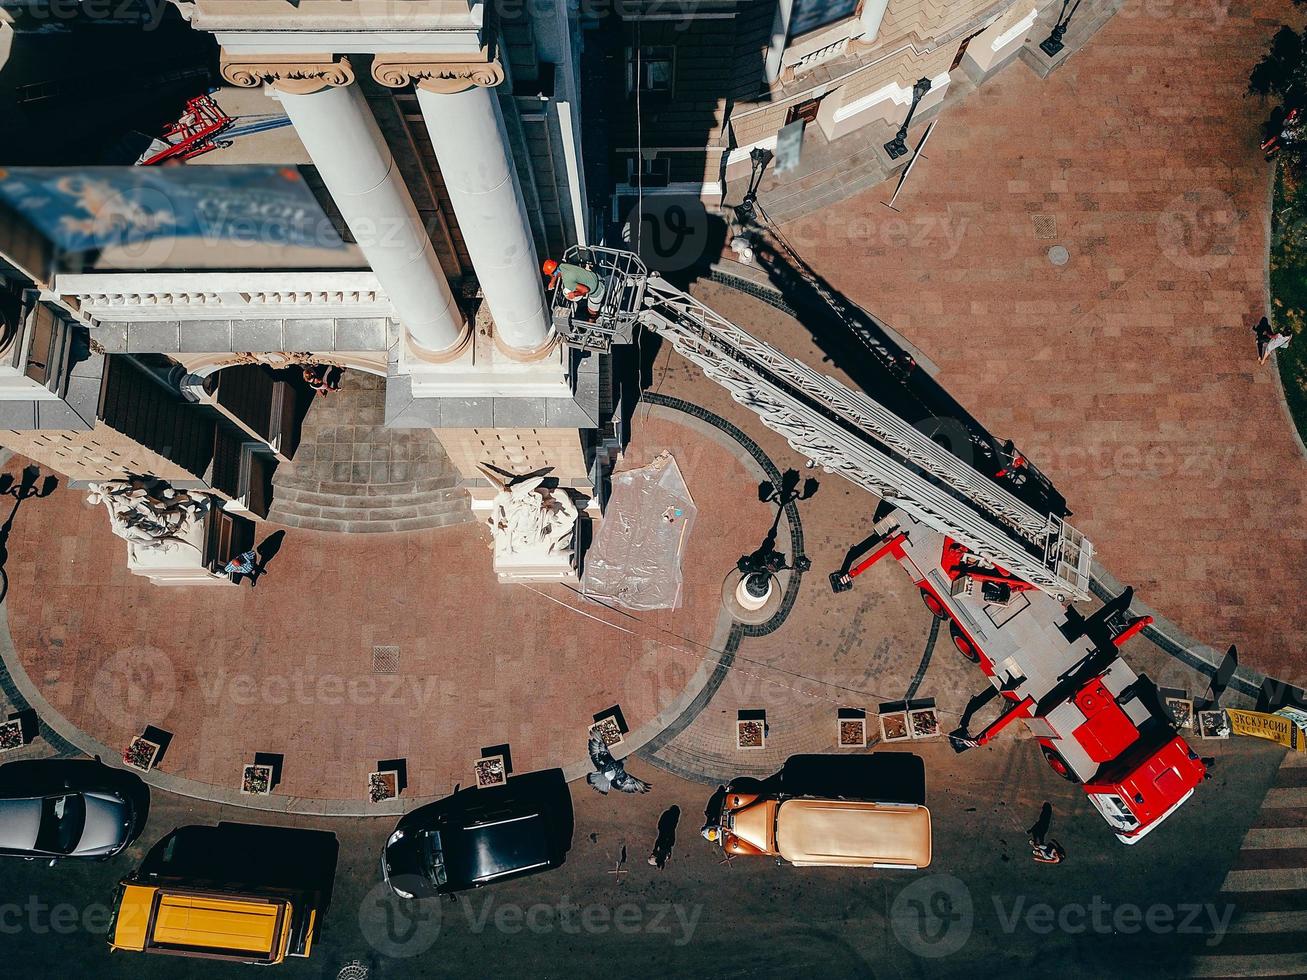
534, 529
149, 517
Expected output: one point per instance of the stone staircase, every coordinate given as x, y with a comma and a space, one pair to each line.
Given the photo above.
1089, 17
352, 475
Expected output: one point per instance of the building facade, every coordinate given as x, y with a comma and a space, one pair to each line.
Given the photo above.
389, 176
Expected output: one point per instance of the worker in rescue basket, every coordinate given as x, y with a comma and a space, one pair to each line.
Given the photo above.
578, 282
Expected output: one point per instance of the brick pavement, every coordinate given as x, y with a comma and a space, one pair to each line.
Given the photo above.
287, 667
1128, 373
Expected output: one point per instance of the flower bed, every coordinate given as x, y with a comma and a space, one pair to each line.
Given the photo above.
11, 735
853, 733
608, 730
141, 753
490, 771
256, 780
750, 734
383, 786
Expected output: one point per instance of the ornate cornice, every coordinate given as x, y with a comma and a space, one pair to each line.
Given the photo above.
300, 74
444, 74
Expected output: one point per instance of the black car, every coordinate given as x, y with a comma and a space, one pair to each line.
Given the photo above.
479, 836
69, 808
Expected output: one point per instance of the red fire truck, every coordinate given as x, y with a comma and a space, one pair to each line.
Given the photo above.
1097, 722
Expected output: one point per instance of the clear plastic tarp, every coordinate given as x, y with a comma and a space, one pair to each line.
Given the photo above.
635, 560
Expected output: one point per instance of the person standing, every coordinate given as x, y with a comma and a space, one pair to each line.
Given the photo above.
577, 282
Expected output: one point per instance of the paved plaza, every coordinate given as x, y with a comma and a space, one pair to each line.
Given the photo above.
1128, 373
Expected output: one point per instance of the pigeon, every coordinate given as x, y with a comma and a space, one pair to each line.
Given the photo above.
609, 773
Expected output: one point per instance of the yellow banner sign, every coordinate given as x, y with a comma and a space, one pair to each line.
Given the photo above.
1275, 727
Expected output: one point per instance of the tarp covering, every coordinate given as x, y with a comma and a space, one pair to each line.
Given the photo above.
635, 560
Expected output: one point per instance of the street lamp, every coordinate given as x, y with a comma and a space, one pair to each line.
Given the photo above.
1052, 44
898, 145
758, 158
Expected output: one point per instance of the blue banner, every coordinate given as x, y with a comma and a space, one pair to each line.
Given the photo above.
81, 208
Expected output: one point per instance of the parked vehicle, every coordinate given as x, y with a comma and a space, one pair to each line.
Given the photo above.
830, 812
237, 892
69, 808
480, 836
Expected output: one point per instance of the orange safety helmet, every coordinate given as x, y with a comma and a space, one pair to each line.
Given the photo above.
549, 266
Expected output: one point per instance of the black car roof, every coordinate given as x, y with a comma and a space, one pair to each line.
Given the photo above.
484, 850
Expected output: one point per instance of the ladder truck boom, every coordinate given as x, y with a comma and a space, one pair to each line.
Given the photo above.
1001, 572
845, 431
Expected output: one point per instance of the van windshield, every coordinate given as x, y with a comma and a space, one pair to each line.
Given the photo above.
62, 820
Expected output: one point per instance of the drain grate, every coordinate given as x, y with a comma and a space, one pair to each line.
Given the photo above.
385, 660
1045, 226
353, 971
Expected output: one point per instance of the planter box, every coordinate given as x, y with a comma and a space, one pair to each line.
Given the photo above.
256, 780
1213, 724
895, 727
923, 722
491, 771
751, 733
141, 753
383, 786
11, 735
609, 730
852, 733
1182, 711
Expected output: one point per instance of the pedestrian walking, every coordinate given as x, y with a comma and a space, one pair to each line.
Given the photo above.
1045, 851
242, 564
1269, 339
662, 849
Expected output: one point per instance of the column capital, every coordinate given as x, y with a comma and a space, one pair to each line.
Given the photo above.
298, 74
442, 74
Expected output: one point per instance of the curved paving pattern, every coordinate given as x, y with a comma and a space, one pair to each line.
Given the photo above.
351, 474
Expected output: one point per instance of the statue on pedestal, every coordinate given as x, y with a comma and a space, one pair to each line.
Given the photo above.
530, 525
148, 514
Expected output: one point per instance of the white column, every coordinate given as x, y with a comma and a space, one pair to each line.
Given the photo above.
873, 12
780, 36
471, 146
342, 137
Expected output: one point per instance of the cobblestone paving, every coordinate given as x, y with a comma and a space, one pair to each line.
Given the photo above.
1128, 374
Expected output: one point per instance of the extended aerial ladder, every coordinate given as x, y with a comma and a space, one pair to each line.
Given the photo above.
1000, 572
842, 430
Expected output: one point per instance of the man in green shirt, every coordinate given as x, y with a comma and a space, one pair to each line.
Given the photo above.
577, 282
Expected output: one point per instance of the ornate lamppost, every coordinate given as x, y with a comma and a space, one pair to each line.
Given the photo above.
747, 208
1052, 44
899, 145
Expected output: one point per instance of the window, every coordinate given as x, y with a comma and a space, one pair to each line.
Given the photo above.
809, 15
653, 173
655, 67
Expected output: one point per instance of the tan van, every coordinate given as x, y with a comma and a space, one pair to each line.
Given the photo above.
821, 832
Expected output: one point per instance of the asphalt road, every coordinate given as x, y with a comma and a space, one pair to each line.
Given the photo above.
983, 908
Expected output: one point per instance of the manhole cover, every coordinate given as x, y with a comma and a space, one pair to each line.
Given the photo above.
1045, 226
353, 971
1058, 255
385, 660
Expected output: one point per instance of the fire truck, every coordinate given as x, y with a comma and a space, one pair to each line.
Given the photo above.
992, 553
1097, 722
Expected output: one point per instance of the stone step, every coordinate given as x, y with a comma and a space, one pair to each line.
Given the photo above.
416, 515
393, 496
373, 526
288, 481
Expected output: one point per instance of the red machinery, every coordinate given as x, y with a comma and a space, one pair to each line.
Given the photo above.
194, 133
1097, 722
